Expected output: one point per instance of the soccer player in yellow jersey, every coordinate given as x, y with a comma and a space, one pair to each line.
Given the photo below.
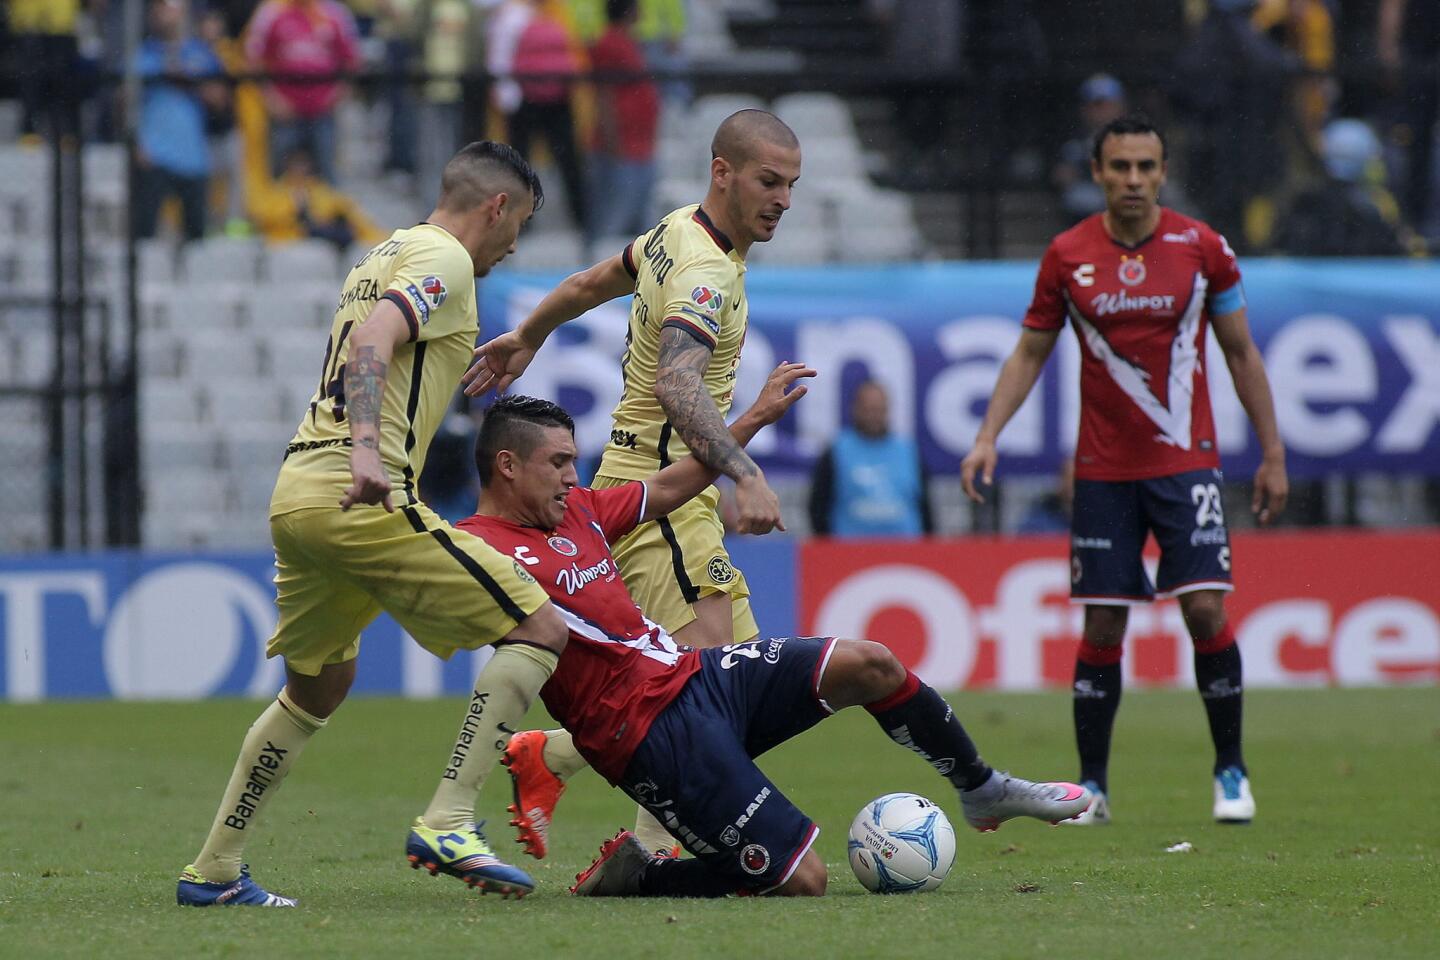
687, 324
352, 539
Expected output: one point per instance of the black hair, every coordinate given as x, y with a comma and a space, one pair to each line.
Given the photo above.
472, 174
1122, 126
514, 423
618, 10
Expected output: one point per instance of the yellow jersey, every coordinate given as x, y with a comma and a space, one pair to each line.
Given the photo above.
428, 274
687, 275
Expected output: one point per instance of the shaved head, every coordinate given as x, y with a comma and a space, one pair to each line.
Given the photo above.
481, 170
741, 134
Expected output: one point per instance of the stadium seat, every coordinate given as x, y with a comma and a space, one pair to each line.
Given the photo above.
257, 446
222, 260
294, 356
162, 451
881, 245
684, 158
672, 193
868, 209
547, 251
792, 247
296, 307
305, 261
165, 404
225, 398
211, 350
831, 158
815, 116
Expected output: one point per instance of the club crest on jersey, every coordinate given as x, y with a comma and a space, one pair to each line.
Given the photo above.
707, 299
435, 290
563, 546
1132, 271
754, 859
720, 570
522, 573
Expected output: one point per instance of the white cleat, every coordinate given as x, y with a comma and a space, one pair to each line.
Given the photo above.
1096, 813
1004, 797
1233, 801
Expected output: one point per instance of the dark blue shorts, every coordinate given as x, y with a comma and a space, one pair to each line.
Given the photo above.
695, 769
1111, 520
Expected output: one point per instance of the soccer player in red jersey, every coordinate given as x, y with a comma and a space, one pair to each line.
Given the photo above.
1140, 284
675, 727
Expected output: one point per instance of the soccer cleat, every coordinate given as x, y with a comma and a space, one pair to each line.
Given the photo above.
1004, 797
1097, 813
464, 854
616, 872
194, 890
1233, 800
536, 790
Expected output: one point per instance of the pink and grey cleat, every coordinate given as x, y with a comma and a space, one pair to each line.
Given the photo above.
1004, 797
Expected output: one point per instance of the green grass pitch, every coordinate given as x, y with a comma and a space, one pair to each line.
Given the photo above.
101, 804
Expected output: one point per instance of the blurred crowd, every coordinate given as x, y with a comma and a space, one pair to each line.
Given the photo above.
1272, 141
236, 128
1271, 149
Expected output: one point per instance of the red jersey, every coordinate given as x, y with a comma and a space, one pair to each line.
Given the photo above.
287, 38
619, 670
1140, 314
634, 105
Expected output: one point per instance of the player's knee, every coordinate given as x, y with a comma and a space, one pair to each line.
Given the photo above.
808, 880
1204, 612
879, 672
543, 628
1105, 626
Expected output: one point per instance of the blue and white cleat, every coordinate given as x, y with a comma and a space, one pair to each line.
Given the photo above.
1233, 801
465, 855
194, 890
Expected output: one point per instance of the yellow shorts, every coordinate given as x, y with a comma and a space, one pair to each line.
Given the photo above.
335, 572
671, 563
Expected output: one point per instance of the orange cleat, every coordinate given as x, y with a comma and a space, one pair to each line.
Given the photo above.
536, 789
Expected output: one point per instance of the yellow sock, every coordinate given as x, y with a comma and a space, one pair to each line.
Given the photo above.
270, 749
651, 834
560, 754
503, 693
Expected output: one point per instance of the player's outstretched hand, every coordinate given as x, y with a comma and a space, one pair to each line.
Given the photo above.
498, 363
368, 482
1272, 489
757, 509
981, 459
777, 396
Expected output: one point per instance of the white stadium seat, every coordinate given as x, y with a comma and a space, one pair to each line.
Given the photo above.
222, 260
304, 262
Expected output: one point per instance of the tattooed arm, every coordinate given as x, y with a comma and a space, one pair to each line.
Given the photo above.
680, 388
371, 347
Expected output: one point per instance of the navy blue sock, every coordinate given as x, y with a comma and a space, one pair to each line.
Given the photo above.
1095, 700
919, 719
1218, 675
691, 877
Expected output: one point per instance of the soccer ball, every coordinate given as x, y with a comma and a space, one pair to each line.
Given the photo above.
901, 843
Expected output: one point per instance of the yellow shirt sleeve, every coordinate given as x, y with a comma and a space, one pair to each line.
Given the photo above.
696, 296
429, 285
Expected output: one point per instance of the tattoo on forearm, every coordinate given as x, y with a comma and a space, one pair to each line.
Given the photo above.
680, 388
364, 381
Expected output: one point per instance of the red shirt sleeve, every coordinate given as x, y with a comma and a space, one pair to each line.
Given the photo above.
618, 509
1221, 268
1047, 306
